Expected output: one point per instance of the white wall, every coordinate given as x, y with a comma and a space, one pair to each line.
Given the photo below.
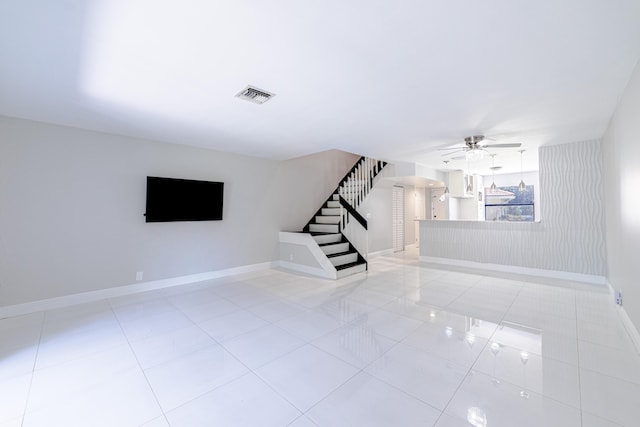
290, 252
410, 237
570, 236
305, 183
621, 154
453, 208
471, 208
378, 204
72, 204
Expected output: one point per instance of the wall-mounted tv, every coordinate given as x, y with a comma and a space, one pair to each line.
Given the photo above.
171, 199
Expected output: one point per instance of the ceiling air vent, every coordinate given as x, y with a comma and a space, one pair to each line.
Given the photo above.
255, 95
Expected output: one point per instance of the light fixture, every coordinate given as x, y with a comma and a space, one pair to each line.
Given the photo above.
474, 154
446, 186
493, 187
475, 148
469, 189
521, 186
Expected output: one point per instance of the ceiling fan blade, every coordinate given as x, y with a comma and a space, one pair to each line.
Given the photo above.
458, 158
452, 152
451, 148
514, 145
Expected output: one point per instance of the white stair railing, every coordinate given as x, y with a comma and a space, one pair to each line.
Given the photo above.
358, 184
353, 191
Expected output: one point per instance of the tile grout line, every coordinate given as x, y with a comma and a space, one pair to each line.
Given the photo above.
575, 306
470, 370
140, 366
592, 370
33, 369
249, 370
360, 371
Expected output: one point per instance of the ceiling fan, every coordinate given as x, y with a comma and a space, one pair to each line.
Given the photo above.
475, 146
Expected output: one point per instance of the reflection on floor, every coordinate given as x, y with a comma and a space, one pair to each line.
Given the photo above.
407, 344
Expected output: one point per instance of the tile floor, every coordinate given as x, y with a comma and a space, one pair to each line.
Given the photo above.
408, 344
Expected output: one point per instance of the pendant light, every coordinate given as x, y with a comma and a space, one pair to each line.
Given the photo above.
446, 186
521, 186
469, 180
493, 187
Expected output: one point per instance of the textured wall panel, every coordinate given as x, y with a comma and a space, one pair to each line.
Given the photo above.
570, 236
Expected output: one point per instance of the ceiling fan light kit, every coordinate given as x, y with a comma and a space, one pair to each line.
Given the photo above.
474, 155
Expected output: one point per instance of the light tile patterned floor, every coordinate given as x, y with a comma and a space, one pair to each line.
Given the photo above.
407, 344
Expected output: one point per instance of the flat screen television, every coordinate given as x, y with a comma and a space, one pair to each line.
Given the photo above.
171, 199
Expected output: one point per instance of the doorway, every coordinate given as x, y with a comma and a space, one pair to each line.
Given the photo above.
420, 211
397, 207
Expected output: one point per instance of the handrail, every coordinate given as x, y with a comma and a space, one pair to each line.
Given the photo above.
379, 163
355, 166
354, 213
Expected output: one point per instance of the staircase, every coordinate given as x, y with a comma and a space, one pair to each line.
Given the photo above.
338, 219
325, 228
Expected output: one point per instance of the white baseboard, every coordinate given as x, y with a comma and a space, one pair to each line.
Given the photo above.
380, 253
85, 297
313, 271
626, 320
564, 275
390, 251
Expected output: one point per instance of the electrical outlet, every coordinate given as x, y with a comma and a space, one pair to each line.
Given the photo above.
139, 275
618, 297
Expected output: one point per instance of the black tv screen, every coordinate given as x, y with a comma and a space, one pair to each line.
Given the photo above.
170, 199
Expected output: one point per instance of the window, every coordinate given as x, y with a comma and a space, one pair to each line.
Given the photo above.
509, 204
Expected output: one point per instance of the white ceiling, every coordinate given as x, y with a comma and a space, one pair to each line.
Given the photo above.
392, 80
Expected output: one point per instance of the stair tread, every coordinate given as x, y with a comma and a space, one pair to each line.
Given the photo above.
341, 254
349, 265
332, 243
